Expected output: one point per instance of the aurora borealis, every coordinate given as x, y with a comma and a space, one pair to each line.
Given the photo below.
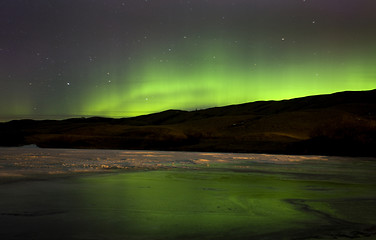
73, 58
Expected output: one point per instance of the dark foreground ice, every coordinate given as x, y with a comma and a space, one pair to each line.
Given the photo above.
116, 194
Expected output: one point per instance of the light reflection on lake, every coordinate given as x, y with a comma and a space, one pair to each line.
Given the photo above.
183, 195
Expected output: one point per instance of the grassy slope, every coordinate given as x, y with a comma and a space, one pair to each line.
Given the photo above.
336, 124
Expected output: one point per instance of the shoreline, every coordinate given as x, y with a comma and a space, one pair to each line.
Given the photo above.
20, 163
338, 124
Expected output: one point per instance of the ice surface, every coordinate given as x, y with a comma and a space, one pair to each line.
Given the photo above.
184, 195
30, 161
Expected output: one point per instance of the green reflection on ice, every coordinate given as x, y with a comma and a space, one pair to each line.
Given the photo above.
193, 204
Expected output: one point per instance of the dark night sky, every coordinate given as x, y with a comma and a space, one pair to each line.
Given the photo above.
71, 58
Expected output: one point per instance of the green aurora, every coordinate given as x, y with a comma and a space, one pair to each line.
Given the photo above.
122, 59
218, 75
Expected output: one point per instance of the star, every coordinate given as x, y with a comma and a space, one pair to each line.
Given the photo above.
142, 48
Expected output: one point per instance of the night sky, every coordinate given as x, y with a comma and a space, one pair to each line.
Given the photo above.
81, 58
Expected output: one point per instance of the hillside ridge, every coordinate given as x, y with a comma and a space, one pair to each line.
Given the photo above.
342, 123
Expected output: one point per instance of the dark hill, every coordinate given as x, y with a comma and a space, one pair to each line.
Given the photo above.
336, 124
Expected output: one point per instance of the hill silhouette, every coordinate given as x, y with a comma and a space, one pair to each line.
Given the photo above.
342, 123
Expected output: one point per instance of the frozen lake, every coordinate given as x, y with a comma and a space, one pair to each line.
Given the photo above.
117, 194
